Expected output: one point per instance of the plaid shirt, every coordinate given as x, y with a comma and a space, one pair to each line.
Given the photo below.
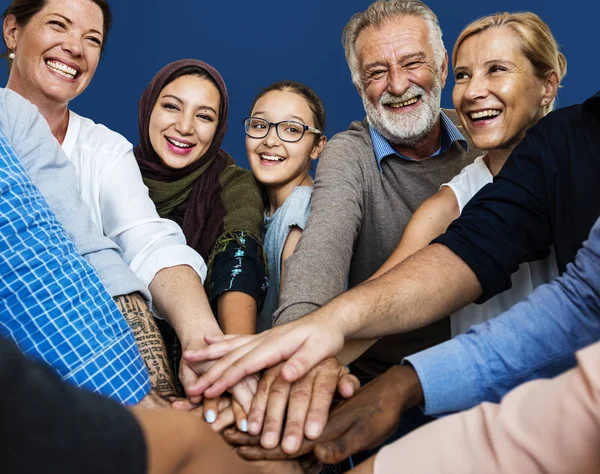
52, 303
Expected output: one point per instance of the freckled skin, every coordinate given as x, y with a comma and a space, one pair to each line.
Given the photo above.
492, 73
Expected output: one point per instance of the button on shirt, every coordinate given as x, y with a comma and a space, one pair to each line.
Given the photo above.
52, 303
450, 134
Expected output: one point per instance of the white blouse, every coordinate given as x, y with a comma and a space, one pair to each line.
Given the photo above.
111, 185
529, 275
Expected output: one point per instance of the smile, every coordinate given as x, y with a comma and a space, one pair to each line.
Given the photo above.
179, 144
484, 114
62, 69
406, 103
271, 158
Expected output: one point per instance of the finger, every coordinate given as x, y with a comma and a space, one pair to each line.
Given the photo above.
348, 385
244, 392
188, 378
257, 453
256, 416
310, 353
224, 420
324, 387
212, 338
211, 409
299, 403
241, 419
348, 443
235, 437
278, 399
218, 349
183, 404
224, 403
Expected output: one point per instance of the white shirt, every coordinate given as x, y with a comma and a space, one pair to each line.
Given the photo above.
529, 275
111, 185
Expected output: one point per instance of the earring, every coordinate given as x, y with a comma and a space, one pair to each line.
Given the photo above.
11, 55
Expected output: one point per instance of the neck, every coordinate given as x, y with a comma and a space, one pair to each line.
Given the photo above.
425, 147
278, 194
56, 114
495, 159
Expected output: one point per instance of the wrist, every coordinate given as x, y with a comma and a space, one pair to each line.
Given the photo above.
407, 385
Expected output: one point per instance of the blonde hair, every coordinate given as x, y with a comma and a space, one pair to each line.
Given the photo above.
382, 11
537, 43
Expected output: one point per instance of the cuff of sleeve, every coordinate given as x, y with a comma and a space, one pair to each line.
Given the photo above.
117, 372
165, 257
448, 378
293, 312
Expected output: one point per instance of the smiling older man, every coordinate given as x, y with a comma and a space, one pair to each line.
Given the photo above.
371, 178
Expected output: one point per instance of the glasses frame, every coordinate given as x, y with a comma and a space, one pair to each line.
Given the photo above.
305, 128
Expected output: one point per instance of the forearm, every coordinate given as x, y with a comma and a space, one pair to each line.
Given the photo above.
149, 341
178, 294
353, 349
426, 287
237, 313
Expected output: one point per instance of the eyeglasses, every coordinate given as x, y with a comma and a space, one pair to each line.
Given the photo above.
288, 131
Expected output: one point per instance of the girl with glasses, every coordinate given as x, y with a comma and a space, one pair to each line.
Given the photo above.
284, 135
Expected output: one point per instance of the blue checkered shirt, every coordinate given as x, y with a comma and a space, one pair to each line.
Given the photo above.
52, 303
450, 134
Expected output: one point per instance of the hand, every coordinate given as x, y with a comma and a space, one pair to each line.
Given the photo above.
153, 401
309, 403
364, 421
303, 344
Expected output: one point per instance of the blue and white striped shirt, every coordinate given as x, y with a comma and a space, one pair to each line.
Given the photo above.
52, 303
450, 134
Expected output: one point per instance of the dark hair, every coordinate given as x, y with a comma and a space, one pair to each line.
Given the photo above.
24, 10
191, 71
314, 101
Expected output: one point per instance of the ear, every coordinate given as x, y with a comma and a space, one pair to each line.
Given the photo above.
444, 69
550, 89
318, 148
10, 29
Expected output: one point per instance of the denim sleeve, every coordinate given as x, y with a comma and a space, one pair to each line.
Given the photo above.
535, 338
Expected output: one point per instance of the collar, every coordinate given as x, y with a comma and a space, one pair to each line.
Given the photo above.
450, 134
592, 104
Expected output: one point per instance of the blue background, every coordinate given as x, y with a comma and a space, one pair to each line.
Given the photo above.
305, 46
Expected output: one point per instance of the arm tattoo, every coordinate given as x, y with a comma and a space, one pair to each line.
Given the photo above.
149, 341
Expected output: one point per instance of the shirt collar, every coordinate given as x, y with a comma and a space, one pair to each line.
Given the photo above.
450, 134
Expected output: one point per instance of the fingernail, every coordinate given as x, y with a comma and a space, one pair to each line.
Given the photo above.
254, 428
313, 430
244, 426
270, 440
211, 416
289, 444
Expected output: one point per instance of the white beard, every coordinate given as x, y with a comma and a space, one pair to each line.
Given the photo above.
406, 128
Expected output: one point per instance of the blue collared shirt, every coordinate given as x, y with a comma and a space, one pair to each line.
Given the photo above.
52, 303
450, 134
535, 338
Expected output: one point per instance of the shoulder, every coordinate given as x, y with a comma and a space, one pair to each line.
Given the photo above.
296, 208
353, 141
16, 113
97, 137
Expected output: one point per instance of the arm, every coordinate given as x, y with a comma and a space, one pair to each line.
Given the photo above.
430, 220
318, 269
535, 338
288, 249
548, 426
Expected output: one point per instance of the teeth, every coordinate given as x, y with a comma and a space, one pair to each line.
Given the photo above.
405, 103
272, 158
62, 69
484, 113
179, 144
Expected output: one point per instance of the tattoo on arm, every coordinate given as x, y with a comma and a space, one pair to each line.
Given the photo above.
149, 341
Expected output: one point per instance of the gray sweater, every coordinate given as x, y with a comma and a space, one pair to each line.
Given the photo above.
357, 217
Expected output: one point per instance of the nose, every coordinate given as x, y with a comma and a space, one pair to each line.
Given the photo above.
398, 82
184, 124
73, 44
476, 88
271, 139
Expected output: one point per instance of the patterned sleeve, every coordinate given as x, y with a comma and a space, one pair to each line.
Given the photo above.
240, 266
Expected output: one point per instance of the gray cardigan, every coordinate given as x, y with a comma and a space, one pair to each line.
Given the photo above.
357, 217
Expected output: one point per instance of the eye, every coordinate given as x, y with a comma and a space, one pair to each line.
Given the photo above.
497, 68
94, 40
170, 106
205, 117
412, 65
259, 126
461, 75
57, 24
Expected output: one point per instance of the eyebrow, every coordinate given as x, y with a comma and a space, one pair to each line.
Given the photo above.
300, 119
174, 97
502, 61
402, 59
70, 22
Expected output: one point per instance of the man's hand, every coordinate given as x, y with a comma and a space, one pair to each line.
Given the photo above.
303, 344
364, 421
307, 401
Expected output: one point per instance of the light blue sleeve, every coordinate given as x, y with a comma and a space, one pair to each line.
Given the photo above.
535, 338
49, 168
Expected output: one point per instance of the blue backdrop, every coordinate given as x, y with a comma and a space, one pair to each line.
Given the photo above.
305, 45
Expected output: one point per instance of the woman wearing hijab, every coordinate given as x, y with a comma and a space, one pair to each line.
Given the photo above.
194, 182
